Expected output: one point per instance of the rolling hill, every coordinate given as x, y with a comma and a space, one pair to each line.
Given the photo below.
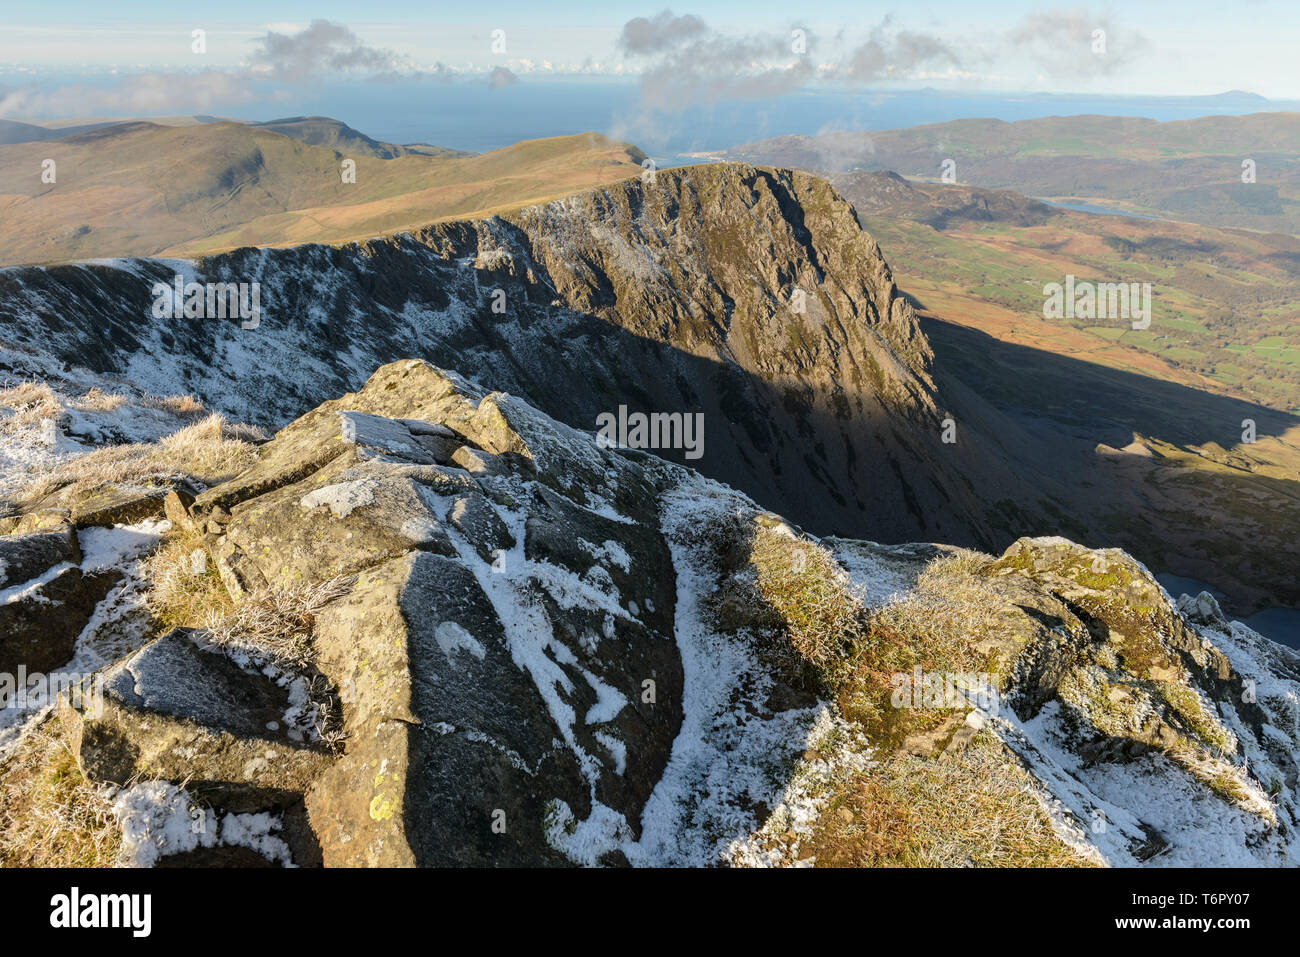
338, 136
143, 189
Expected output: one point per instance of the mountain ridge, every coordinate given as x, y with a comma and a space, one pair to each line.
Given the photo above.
1189, 170
677, 293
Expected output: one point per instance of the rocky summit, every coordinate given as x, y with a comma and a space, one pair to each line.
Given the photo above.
428, 624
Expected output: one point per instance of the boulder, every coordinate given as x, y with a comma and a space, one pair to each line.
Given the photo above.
36, 520
176, 506
447, 736
491, 656
116, 505
347, 516
178, 710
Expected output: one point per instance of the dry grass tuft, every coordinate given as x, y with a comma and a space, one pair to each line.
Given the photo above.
30, 403
276, 623
976, 808
275, 626
209, 451
180, 597
271, 623
939, 626
27, 405
823, 618
50, 815
270, 626
817, 633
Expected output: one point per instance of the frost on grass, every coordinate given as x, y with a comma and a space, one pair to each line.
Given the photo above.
274, 623
837, 751
205, 453
50, 815
45, 424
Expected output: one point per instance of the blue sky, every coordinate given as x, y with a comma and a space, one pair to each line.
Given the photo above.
717, 49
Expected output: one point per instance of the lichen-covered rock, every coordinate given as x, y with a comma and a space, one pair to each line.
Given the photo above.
36, 520
1109, 670
536, 650
445, 731
351, 426
115, 504
345, 517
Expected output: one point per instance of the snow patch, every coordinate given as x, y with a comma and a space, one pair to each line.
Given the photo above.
158, 819
343, 497
452, 638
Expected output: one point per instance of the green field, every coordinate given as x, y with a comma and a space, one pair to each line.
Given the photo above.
1225, 303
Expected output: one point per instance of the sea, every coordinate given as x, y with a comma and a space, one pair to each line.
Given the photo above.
469, 114
472, 116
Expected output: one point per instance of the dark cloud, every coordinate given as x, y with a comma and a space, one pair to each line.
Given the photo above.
684, 61
884, 58
663, 31
323, 47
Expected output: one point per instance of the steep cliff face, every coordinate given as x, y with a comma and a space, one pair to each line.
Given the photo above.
751, 296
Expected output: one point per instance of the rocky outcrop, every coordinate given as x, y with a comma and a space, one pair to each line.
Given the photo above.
488, 657
1105, 669
181, 711
50, 590
40, 625
23, 557
531, 649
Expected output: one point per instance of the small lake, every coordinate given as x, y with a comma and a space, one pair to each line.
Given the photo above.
1280, 624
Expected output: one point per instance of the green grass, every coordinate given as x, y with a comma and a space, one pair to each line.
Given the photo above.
1228, 313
